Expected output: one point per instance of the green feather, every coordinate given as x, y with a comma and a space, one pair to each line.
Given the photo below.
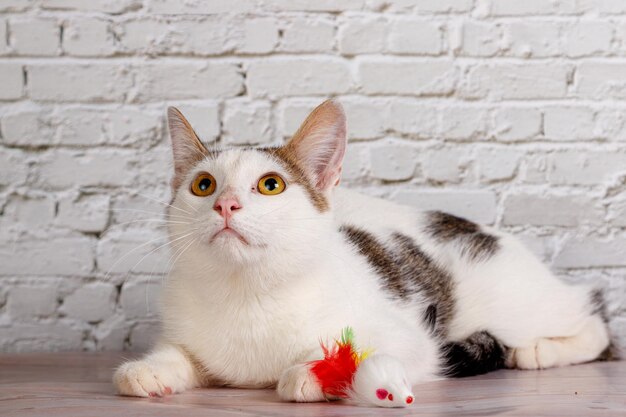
347, 335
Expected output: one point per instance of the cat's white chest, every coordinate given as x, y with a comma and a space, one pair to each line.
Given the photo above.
245, 343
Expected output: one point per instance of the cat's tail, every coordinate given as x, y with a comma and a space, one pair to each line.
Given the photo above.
478, 354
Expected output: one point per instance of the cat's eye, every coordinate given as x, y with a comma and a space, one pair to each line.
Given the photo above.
203, 185
271, 184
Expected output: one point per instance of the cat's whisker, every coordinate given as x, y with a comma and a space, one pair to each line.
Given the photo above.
149, 221
164, 203
165, 236
181, 253
180, 216
156, 249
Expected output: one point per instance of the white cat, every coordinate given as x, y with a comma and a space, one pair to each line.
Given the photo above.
271, 257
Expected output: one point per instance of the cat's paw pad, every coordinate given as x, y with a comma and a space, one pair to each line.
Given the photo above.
299, 384
380, 380
140, 379
540, 355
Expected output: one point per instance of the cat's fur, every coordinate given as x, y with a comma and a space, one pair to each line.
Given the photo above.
435, 293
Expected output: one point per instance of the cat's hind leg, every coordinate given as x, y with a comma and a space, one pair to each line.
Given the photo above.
166, 370
586, 345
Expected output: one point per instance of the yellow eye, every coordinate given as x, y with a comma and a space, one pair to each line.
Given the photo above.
203, 185
271, 184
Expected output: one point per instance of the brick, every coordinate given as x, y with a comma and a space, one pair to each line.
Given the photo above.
480, 39
298, 76
66, 169
26, 128
517, 123
260, 36
419, 37
78, 82
569, 123
365, 118
140, 298
11, 81
25, 212
13, 167
204, 117
291, 114
144, 335
585, 168
444, 165
38, 337
4, 48
498, 164
315, 6
464, 123
535, 168
175, 81
443, 6
38, 37
57, 256
573, 209
111, 333
610, 6
475, 205
156, 169
531, 7
516, 81
210, 36
308, 35
412, 117
92, 302
203, 7
393, 161
579, 252
588, 38
80, 126
247, 122
105, 6
15, 5
533, 39
356, 163
617, 213
27, 302
601, 80
365, 34
84, 212
88, 37
406, 76
133, 251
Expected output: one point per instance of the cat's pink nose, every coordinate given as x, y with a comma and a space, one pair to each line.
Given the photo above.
226, 205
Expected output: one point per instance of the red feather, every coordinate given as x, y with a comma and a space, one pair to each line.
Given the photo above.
336, 370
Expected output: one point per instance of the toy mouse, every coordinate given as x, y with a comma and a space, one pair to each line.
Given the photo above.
361, 377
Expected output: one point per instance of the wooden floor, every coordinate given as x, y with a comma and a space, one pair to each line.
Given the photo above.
79, 384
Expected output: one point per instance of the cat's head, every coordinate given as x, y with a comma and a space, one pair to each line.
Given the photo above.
245, 207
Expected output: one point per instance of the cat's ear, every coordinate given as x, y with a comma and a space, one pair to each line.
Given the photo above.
186, 145
320, 144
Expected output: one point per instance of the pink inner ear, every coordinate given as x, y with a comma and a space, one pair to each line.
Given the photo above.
381, 393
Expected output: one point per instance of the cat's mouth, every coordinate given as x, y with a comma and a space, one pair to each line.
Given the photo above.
228, 232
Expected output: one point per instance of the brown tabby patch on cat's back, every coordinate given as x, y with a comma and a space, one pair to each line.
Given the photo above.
476, 244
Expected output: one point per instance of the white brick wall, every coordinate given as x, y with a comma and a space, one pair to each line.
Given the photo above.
508, 112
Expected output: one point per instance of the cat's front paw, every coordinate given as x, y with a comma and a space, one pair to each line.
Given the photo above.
299, 384
141, 379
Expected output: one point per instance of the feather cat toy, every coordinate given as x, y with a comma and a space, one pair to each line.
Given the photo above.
337, 375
